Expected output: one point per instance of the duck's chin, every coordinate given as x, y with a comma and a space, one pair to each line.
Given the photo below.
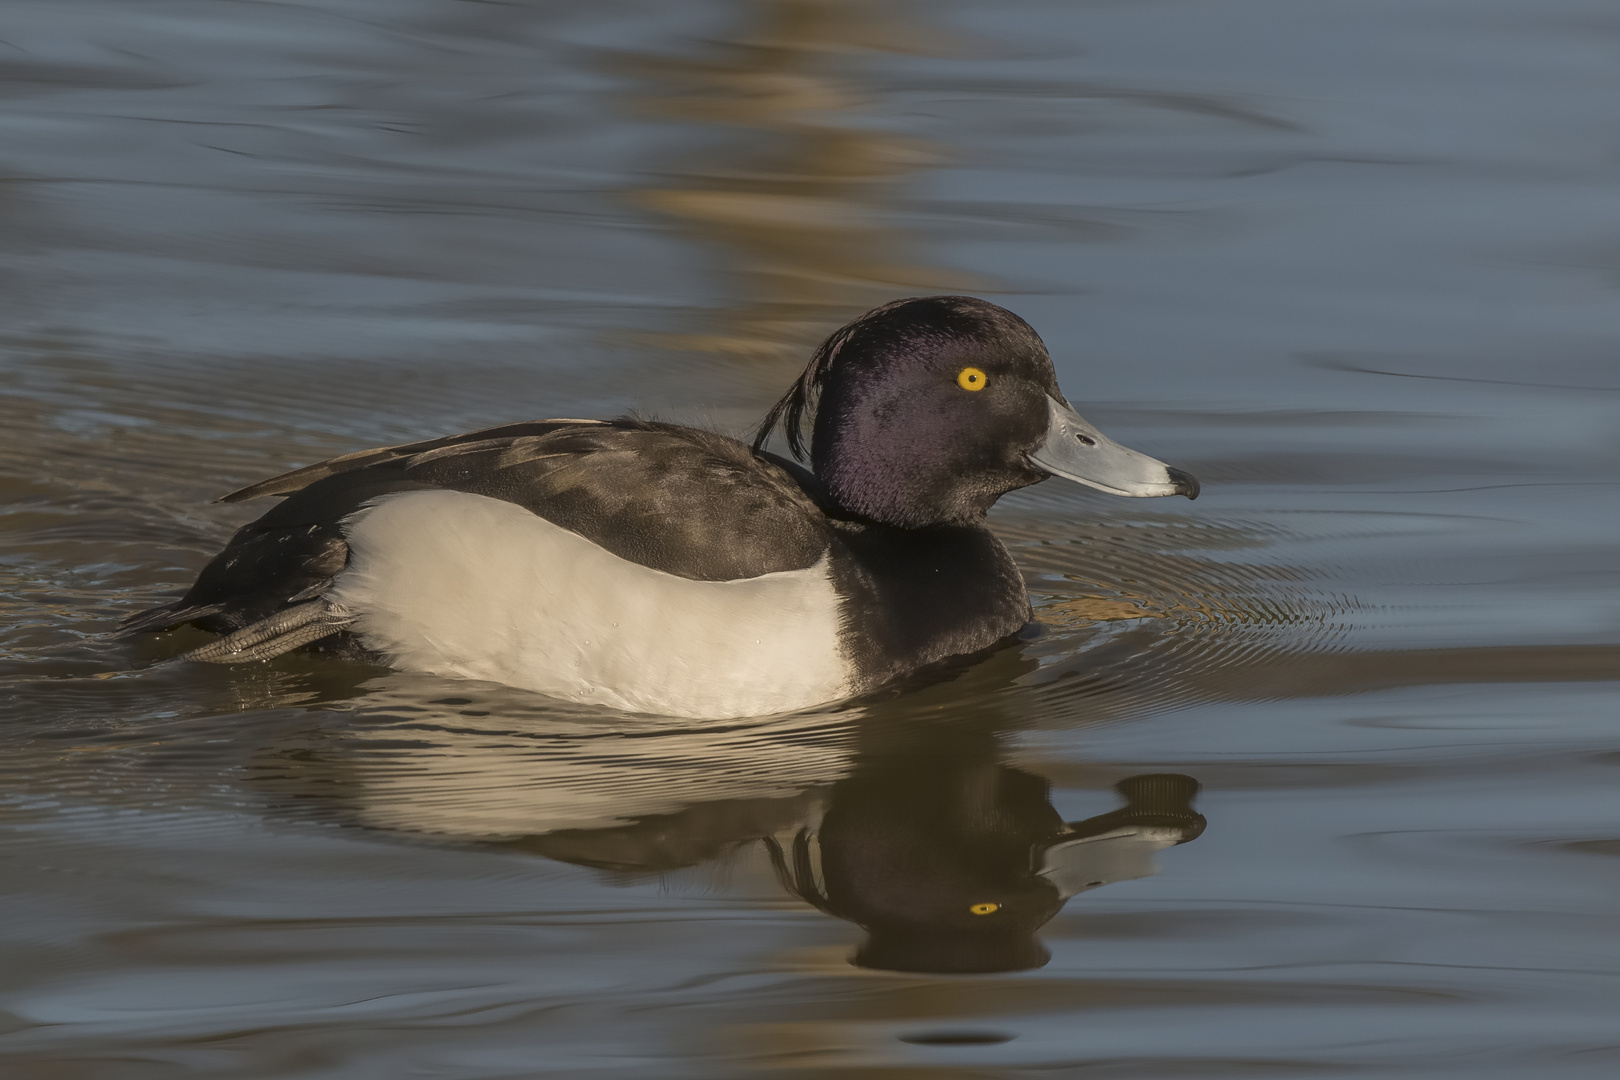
915, 503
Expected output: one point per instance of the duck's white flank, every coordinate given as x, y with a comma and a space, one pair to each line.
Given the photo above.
458, 584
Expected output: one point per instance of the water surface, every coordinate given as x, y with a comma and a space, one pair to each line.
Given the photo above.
1351, 264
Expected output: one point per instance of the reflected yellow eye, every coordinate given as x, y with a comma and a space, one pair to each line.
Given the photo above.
971, 378
984, 909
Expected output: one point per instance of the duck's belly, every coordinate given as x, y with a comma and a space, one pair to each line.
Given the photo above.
463, 585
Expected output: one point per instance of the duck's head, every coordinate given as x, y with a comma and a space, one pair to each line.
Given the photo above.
930, 409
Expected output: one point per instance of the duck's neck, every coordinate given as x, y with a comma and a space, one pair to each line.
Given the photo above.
915, 597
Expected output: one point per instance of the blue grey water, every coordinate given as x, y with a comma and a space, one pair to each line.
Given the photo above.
1353, 263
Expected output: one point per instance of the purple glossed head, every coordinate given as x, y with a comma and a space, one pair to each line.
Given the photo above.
930, 409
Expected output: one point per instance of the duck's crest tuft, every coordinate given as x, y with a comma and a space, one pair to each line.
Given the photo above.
801, 396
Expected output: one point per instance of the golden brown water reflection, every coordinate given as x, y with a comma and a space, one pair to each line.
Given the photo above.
802, 206
1347, 263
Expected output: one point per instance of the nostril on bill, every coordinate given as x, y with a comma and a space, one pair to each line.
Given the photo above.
1086, 440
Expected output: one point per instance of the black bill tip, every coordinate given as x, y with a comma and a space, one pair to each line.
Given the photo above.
1186, 483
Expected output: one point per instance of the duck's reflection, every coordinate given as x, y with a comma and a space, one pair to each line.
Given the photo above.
948, 858
953, 867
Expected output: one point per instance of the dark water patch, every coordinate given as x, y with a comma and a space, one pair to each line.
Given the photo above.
957, 1038
1594, 847
1367, 311
1392, 368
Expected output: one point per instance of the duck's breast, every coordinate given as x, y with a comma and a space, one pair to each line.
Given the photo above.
464, 585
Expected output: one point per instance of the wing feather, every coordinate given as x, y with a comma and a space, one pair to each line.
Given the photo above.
692, 503
288, 482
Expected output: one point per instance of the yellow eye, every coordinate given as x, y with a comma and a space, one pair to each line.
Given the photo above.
984, 909
971, 378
